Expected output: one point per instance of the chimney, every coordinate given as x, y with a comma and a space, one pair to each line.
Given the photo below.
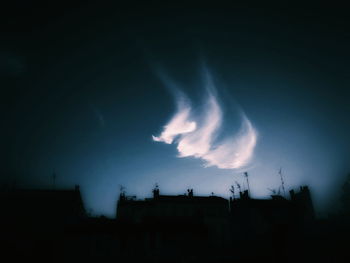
156, 192
190, 192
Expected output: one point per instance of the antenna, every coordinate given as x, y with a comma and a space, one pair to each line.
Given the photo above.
238, 186
246, 176
282, 181
155, 191
122, 196
273, 191
232, 190
122, 189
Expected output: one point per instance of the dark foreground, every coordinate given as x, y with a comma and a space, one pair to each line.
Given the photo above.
52, 225
105, 239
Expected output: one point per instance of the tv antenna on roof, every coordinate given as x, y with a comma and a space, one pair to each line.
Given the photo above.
122, 189
232, 190
238, 186
246, 176
273, 191
282, 181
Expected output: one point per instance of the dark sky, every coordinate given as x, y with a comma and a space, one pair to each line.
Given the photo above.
80, 94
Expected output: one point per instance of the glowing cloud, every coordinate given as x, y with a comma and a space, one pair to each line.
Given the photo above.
179, 124
236, 151
196, 135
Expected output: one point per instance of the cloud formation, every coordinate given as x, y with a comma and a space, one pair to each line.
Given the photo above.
179, 124
196, 135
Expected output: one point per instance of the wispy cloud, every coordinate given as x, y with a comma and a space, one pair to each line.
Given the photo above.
179, 124
196, 135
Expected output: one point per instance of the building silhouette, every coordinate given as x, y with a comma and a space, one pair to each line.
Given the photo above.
213, 208
37, 222
53, 224
51, 206
211, 222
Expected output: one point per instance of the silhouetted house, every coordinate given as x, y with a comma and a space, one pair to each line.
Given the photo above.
303, 203
38, 223
220, 222
251, 217
186, 227
41, 210
176, 224
172, 207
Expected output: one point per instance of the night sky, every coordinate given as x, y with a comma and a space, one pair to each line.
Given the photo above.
84, 86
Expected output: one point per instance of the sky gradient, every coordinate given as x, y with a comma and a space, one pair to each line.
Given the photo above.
82, 95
